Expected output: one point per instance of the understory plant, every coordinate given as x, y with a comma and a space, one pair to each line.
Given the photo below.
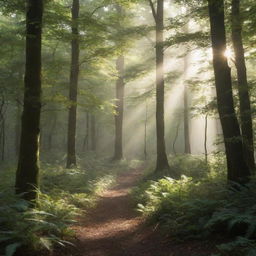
194, 208
63, 195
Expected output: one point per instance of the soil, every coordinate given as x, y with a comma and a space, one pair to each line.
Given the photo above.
114, 228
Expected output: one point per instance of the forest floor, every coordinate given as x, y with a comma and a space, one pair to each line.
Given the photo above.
113, 228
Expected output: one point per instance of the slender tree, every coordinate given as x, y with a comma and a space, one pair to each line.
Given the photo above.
50, 134
28, 169
158, 14
205, 137
118, 151
238, 170
17, 129
145, 131
243, 89
73, 86
186, 109
93, 133
118, 154
187, 147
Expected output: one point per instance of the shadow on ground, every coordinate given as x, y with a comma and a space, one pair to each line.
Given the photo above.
113, 228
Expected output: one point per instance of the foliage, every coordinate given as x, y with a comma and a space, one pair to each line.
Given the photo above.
64, 194
198, 208
34, 228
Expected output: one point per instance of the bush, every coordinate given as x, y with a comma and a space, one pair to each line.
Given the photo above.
199, 208
64, 194
34, 228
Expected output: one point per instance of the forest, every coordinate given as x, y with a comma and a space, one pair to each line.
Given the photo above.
127, 127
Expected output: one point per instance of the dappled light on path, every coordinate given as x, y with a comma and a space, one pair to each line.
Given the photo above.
113, 228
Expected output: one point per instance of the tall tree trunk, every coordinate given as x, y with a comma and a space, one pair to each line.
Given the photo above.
2, 128
86, 139
205, 138
175, 138
18, 115
73, 85
118, 150
187, 147
162, 162
145, 131
243, 89
50, 135
186, 109
2, 136
17, 129
93, 133
28, 168
118, 154
238, 170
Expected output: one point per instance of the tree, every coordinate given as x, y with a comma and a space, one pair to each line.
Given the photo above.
243, 89
93, 133
186, 109
158, 14
73, 86
119, 109
28, 169
118, 153
237, 168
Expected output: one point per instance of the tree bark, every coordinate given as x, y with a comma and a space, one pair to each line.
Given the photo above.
93, 133
2, 136
243, 89
17, 129
237, 169
51, 132
118, 154
145, 131
162, 162
205, 138
186, 110
175, 138
18, 115
73, 87
28, 168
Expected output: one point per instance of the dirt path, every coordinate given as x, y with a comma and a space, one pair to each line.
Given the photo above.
114, 229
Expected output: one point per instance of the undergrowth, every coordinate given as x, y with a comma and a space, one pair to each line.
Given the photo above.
63, 195
201, 206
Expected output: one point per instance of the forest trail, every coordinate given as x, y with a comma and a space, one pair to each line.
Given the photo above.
113, 228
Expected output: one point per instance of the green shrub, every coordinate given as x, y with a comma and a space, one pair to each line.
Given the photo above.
64, 193
199, 208
34, 228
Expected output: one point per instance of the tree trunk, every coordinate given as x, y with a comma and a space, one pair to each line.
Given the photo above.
73, 86
18, 115
86, 140
175, 138
28, 169
2, 136
17, 129
145, 131
118, 154
51, 132
162, 162
205, 138
243, 90
238, 170
93, 133
187, 148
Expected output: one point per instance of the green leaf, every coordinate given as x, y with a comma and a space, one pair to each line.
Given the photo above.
46, 243
11, 249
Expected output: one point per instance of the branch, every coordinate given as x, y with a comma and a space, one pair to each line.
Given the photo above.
152, 9
96, 9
